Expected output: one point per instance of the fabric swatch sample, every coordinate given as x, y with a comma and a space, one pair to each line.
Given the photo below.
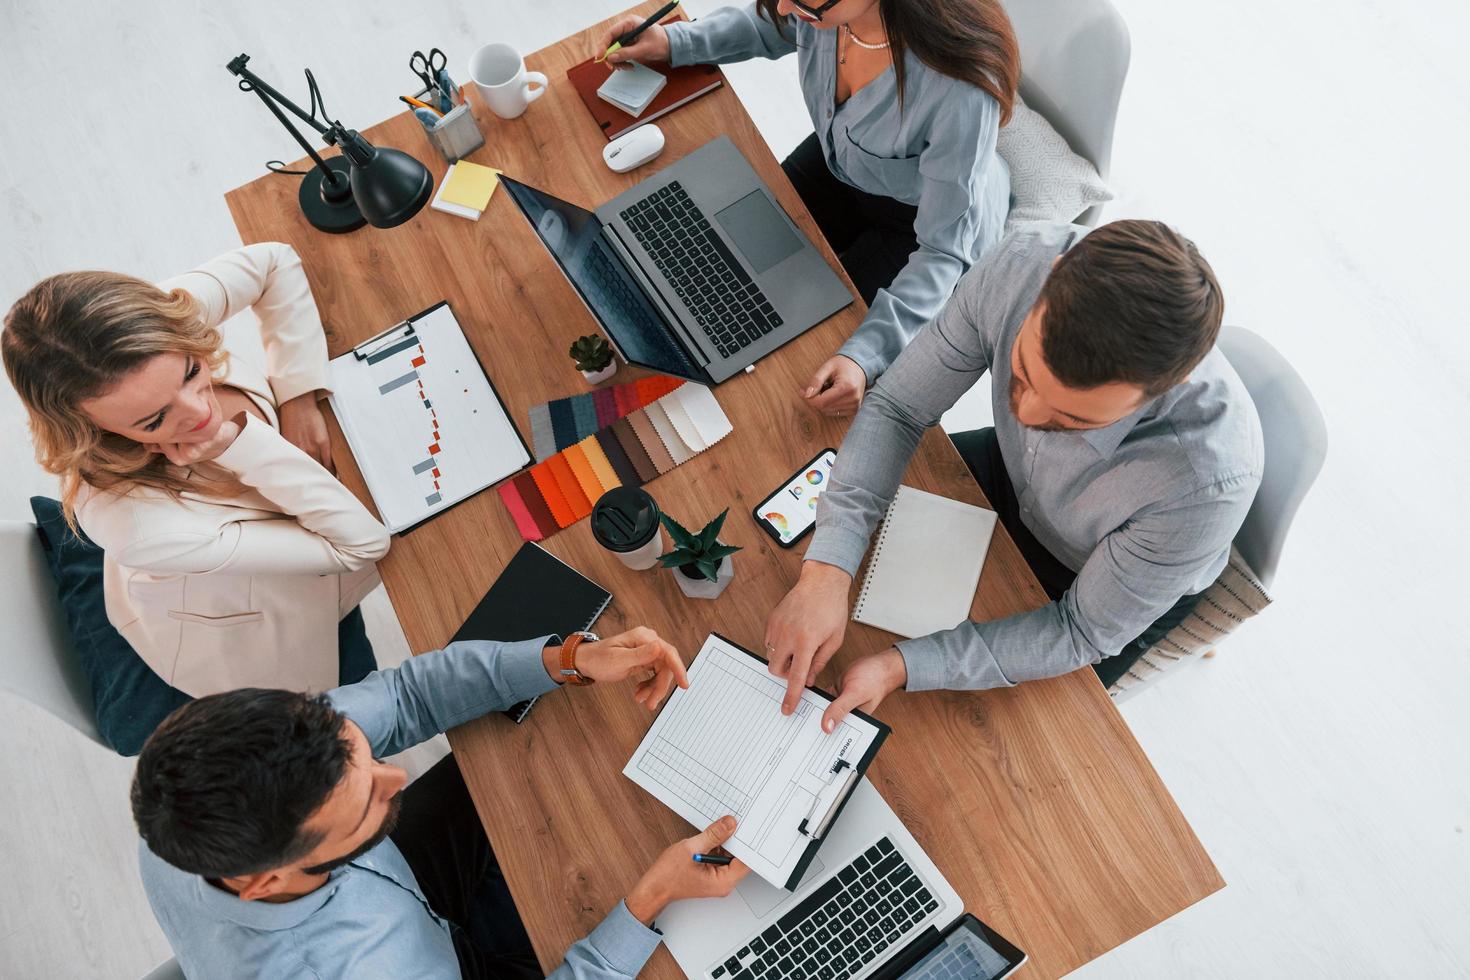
633, 449
705, 413
683, 424
582, 470
551, 493
571, 490
672, 423
536, 506
601, 466
584, 415
617, 456
563, 422
665, 429
663, 460
519, 512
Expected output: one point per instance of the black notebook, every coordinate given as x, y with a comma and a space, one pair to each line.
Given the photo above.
536, 594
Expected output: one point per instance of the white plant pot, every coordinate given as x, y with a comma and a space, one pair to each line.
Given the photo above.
597, 377
703, 588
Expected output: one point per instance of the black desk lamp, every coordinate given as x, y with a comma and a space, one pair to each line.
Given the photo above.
377, 185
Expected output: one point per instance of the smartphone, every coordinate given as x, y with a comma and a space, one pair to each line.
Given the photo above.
791, 511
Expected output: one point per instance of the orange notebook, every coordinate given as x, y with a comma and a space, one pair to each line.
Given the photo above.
684, 85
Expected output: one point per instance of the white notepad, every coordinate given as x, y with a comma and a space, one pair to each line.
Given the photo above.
425, 425
926, 564
632, 88
723, 747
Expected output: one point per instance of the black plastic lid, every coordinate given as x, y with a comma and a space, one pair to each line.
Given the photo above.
625, 519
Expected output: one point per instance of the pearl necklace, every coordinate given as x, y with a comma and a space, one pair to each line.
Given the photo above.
860, 42
848, 35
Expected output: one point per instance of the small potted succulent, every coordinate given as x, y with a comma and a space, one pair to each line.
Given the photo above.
702, 565
594, 357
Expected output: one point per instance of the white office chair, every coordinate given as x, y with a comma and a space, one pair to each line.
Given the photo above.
167, 971
1296, 446
1074, 58
1295, 437
36, 660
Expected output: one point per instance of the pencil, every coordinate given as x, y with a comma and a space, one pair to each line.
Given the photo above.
419, 104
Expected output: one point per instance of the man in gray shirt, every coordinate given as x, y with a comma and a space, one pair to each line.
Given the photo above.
276, 844
1124, 457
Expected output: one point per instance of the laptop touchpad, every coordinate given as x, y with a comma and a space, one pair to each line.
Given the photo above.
761, 896
761, 234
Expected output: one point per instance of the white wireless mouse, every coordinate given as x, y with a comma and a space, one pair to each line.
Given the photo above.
634, 148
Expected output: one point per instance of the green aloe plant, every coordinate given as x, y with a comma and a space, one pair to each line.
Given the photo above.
591, 353
702, 550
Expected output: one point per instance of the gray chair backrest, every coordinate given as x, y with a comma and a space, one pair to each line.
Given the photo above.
1074, 58
36, 659
1296, 445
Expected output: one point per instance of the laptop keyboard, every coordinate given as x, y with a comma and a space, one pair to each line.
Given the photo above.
610, 289
841, 927
728, 306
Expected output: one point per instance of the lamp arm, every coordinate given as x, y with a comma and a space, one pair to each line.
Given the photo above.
250, 82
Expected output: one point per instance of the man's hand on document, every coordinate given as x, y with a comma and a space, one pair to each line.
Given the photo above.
867, 682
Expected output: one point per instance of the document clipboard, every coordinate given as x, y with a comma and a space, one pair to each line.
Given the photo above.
722, 746
426, 425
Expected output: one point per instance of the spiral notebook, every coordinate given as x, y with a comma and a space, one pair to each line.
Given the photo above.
925, 565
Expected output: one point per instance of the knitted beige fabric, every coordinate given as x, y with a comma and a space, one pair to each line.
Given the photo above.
1235, 596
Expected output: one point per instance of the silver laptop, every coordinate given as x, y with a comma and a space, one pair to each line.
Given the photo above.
872, 904
695, 272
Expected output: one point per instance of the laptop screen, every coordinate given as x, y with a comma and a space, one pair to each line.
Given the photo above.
966, 954
573, 235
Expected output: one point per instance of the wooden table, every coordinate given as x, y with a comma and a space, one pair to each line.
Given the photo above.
1035, 802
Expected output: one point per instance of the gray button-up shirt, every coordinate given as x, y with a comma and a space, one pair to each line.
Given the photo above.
370, 919
938, 154
1144, 509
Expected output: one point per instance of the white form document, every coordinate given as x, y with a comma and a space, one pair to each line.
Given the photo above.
723, 747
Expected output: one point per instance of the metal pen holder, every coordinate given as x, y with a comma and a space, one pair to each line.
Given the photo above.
456, 134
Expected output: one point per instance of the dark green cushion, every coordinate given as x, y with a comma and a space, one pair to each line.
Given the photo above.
128, 697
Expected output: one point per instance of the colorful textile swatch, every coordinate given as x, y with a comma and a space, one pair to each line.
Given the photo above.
635, 447
560, 423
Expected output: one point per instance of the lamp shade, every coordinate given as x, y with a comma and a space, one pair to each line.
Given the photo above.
388, 185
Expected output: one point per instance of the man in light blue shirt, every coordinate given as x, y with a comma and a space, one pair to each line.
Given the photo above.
275, 844
1124, 457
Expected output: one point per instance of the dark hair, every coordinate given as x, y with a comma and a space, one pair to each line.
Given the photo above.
970, 40
225, 784
1133, 302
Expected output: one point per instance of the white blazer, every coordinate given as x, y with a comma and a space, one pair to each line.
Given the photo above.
219, 593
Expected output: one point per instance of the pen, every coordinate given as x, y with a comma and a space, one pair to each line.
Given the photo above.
712, 859
631, 36
419, 104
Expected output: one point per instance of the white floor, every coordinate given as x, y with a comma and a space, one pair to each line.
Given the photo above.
1316, 152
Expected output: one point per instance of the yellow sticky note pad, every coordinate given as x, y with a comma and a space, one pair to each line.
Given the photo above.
470, 185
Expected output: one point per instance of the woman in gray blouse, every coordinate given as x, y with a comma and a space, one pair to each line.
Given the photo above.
901, 174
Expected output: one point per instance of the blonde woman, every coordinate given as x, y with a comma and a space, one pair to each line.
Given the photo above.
231, 551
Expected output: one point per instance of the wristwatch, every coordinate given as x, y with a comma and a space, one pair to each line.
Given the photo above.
569, 672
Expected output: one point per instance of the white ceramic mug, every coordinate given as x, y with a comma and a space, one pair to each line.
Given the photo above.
499, 72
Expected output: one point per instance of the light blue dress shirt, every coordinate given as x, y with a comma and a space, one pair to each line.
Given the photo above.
1143, 510
370, 918
938, 153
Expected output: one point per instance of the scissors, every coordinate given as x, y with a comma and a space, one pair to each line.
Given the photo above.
428, 68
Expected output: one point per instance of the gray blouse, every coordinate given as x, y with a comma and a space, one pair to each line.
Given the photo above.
938, 154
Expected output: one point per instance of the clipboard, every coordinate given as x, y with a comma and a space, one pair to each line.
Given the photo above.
425, 423
772, 822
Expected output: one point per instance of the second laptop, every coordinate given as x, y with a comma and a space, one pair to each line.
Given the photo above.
695, 272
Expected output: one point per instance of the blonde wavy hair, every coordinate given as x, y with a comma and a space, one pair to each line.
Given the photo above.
74, 336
